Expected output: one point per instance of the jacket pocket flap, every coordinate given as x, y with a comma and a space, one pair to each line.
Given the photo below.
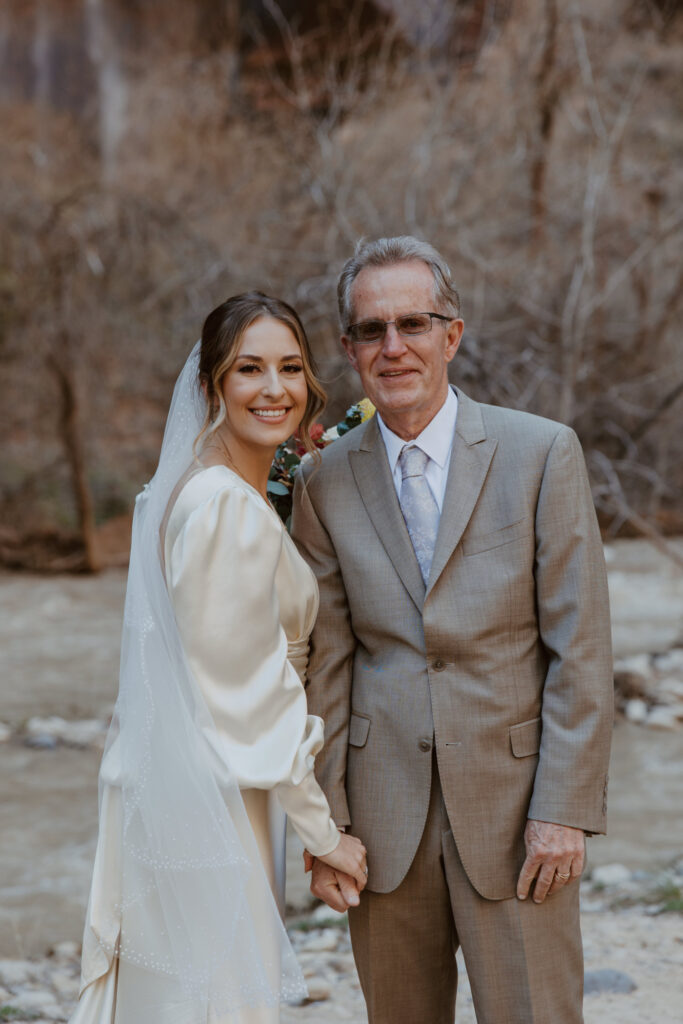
493, 539
359, 727
525, 738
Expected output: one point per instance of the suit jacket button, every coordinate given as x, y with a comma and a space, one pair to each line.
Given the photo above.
425, 744
438, 665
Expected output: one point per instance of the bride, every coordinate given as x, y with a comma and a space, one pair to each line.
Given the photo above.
211, 744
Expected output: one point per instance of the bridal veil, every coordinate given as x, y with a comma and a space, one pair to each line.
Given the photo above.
173, 829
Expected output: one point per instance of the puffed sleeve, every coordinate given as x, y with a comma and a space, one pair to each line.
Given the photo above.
221, 571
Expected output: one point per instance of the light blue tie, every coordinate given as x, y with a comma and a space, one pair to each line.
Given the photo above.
418, 506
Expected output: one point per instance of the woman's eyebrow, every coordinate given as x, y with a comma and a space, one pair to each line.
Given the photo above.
259, 359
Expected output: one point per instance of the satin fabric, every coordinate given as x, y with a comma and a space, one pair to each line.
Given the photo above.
245, 603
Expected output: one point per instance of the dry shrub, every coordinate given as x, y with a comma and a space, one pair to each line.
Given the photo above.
535, 145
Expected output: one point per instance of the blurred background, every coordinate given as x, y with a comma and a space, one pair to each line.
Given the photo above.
157, 156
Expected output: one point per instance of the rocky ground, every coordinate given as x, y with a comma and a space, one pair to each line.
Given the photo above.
633, 939
58, 658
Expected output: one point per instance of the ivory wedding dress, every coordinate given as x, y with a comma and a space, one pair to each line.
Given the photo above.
244, 602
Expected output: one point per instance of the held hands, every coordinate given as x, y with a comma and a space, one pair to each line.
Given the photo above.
339, 877
554, 857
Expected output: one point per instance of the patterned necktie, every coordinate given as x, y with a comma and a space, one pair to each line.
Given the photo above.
419, 506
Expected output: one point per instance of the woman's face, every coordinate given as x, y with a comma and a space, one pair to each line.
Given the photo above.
265, 389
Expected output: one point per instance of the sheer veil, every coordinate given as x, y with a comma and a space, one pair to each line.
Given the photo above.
173, 829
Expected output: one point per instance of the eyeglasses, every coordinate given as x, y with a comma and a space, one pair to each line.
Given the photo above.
408, 325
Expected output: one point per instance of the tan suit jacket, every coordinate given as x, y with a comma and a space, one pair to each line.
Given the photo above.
502, 663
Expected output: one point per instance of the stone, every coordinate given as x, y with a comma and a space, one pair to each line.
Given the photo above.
51, 726
342, 963
661, 717
608, 980
321, 942
318, 989
64, 982
633, 677
610, 874
16, 972
671, 661
635, 665
38, 1001
86, 733
671, 686
324, 915
66, 950
589, 906
41, 741
636, 710
5, 732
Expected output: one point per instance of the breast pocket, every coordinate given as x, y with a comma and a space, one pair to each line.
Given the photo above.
495, 538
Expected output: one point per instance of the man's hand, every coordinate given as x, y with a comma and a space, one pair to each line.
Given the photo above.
333, 887
554, 856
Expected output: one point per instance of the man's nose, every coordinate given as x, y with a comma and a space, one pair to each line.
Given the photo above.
394, 344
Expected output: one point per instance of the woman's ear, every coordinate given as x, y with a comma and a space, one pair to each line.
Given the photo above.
204, 385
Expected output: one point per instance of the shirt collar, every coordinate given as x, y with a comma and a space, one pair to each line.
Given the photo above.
435, 440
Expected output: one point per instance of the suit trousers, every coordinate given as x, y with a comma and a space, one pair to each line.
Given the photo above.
524, 961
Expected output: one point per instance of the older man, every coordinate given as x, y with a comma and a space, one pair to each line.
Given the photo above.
461, 662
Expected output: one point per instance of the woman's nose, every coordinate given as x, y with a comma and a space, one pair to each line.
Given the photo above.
272, 384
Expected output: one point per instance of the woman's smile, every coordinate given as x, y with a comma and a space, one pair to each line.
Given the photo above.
273, 414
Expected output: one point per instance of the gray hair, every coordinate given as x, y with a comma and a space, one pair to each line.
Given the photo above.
384, 252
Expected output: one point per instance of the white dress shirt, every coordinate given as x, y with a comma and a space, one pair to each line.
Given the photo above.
436, 441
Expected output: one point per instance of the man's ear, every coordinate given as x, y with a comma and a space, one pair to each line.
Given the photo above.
350, 351
453, 338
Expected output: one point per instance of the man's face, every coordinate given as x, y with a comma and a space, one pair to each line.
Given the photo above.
404, 377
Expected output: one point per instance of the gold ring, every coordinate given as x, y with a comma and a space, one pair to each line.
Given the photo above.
563, 877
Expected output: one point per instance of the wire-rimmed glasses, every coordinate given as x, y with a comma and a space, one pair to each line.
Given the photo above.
369, 332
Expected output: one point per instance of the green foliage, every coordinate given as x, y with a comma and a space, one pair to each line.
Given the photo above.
334, 921
353, 418
666, 897
670, 898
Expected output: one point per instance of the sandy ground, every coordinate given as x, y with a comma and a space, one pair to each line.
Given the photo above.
58, 655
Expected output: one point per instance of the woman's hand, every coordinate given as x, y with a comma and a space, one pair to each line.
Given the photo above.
349, 857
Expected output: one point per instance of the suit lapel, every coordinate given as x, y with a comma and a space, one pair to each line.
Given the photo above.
370, 468
471, 456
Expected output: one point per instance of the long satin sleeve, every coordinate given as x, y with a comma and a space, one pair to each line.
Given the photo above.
221, 572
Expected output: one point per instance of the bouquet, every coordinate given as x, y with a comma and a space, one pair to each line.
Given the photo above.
292, 453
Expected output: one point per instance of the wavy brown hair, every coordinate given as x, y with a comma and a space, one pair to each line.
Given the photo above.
222, 335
